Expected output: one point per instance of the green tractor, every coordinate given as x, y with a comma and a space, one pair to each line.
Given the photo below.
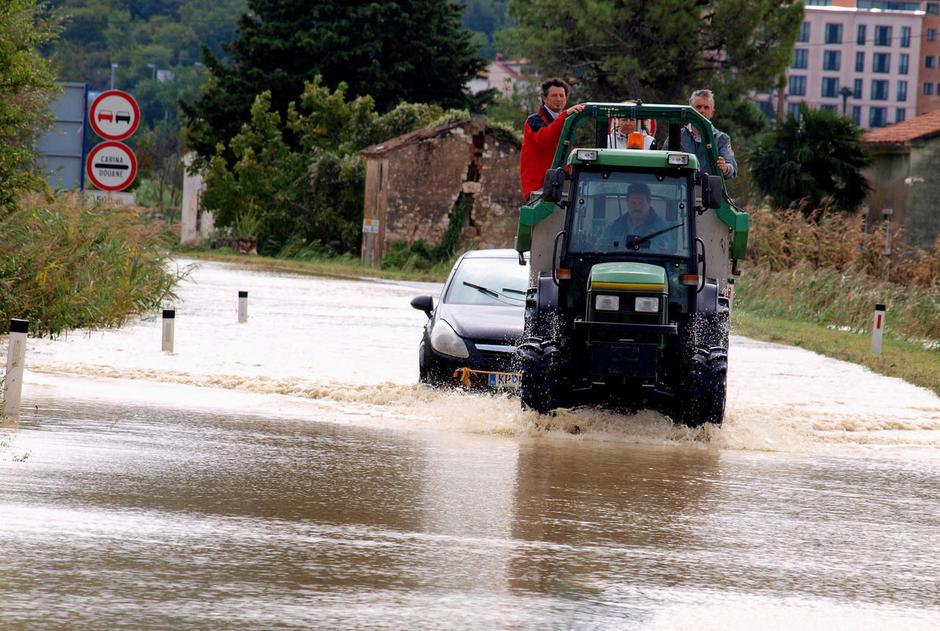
633, 255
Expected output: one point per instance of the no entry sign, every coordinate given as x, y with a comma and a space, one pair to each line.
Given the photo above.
114, 115
111, 166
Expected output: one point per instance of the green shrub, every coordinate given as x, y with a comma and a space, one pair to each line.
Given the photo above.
66, 263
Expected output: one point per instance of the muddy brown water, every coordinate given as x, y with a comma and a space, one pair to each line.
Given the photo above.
271, 475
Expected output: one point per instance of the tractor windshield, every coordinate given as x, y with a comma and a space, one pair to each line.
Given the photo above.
637, 212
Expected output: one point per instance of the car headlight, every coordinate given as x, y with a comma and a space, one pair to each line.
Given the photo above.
647, 305
445, 340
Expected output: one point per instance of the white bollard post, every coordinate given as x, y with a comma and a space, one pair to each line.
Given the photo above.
169, 319
16, 356
877, 329
242, 306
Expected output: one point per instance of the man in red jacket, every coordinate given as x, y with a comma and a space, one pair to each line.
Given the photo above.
541, 134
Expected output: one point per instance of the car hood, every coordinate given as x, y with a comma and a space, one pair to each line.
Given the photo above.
484, 322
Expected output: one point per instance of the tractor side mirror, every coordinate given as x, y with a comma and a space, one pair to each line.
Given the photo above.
712, 188
553, 185
423, 303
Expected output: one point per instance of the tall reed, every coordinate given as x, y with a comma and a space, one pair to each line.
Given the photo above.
67, 263
829, 269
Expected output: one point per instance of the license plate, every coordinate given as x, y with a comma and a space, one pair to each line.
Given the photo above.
503, 380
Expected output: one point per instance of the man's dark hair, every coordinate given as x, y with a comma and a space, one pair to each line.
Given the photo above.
554, 82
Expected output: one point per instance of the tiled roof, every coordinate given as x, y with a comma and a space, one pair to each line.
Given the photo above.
923, 126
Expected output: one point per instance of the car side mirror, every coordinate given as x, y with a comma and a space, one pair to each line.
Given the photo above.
712, 189
553, 185
423, 303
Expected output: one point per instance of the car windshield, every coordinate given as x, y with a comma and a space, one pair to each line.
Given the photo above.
489, 281
643, 213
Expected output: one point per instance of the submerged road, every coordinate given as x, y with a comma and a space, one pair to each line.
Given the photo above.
288, 473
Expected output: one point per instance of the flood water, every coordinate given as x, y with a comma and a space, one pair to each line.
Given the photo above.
288, 473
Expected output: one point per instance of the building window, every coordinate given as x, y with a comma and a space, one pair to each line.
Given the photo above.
860, 61
857, 89
933, 8
877, 116
899, 115
928, 89
832, 59
830, 87
905, 37
928, 61
903, 62
931, 35
888, 5
902, 91
881, 62
834, 33
797, 85
879, 90
882, 36
862, 32
800, 57
857, 114
804, 33
793, 109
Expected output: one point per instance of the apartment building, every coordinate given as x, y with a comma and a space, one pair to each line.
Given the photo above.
863, 58
928, 92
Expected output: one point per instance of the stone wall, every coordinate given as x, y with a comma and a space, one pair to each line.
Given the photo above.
413, 183
904, 178
424, 180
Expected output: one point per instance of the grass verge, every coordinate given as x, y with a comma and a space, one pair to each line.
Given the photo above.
906, 360
338, 267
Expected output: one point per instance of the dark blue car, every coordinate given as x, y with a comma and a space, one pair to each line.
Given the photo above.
473, 329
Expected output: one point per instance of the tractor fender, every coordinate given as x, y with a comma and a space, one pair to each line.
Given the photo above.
707, 299
541, 308
547, 294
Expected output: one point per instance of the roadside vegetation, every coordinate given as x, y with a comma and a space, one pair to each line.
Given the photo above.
814, 282
67, 263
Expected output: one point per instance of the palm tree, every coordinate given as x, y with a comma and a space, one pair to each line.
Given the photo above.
814, 161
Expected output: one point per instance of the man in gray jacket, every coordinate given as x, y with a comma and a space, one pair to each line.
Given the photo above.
690, 142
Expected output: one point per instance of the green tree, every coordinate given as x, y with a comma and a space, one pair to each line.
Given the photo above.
26, 88
815, 159
486, 18
409, 50
657, 51
309, 193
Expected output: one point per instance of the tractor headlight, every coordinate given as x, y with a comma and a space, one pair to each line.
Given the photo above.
646, 305
677, 159
607, 303
445, 340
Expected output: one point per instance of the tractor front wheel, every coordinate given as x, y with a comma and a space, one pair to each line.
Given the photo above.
702, 398
540, 389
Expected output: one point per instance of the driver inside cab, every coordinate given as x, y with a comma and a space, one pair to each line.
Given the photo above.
640, 220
